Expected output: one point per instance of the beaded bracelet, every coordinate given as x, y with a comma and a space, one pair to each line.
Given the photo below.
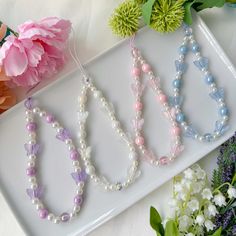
217, 94
32, 147
139, 66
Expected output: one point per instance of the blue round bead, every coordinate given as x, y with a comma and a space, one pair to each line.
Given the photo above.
209, 79
183, 50
224, 111
195, 47
180, 117
177, 83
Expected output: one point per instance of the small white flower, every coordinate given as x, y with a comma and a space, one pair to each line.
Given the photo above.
206, 194
209, 225
200, 173
193, 205
219, 200
178, 187
231, 192
184, 223
186, 183
189, 174
189, 234
212, 211
197, 187
200, 220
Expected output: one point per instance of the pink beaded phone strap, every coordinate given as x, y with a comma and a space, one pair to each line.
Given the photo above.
140, 67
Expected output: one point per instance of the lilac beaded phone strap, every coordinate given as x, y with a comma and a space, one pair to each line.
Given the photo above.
217, 94
88, 88
141, 66
32, 147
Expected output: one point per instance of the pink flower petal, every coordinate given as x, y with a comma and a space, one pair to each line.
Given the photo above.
15, 62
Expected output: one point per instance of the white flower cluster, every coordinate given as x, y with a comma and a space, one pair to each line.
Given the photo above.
193, 202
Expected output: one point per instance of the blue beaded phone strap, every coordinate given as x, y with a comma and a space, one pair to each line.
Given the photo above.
217, 94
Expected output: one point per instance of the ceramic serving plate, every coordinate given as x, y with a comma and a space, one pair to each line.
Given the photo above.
111, 73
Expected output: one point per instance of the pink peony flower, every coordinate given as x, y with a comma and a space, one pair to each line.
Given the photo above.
37, 52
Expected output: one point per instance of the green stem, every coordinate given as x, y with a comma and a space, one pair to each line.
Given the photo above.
222, 185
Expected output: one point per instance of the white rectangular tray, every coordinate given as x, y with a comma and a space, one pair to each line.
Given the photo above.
111, 72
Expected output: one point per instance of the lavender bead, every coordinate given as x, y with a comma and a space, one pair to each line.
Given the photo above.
43, 213
31, 171
78, 199
31, 126
50, 118
74, 155
65, 217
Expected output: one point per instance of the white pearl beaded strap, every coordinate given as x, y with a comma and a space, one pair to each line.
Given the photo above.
35, 192
139, 66
133, 173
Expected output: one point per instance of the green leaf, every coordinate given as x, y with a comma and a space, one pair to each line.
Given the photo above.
155, 221
188, 15
234, 179
187, 6
217, 232
171, 228
147, 11
210, 4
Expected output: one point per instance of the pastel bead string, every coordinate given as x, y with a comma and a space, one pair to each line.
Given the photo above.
140, 66
217, 94
132, 172
88, 88
32, 147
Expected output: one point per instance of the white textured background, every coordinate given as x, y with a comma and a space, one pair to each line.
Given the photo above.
89, 18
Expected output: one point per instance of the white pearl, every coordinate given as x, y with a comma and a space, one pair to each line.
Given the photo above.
76, 209
35, 201
36, 110
75, 163
79, 191
32, 141
34, 185
97, 94
71, 147
80, 185
32, 180
42, 114
56, 221
31, 163
59, 129
50, 217
39, 206
90, 170
55, 124
29, 119
32, 157
68, 142
32, 135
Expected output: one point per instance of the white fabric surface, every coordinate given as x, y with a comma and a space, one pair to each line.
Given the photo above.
89, 18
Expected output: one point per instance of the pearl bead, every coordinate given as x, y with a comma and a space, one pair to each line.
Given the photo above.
183, 50
139, 140
55, 125
90, 170
146, 68
180, 117
36, 110
50, 217
136, 72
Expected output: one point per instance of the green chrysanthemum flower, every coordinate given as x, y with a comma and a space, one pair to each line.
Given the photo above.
141, 1
125, 19
167, 15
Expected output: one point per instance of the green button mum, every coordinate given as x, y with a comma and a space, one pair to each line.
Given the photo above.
167, 15
125, 19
